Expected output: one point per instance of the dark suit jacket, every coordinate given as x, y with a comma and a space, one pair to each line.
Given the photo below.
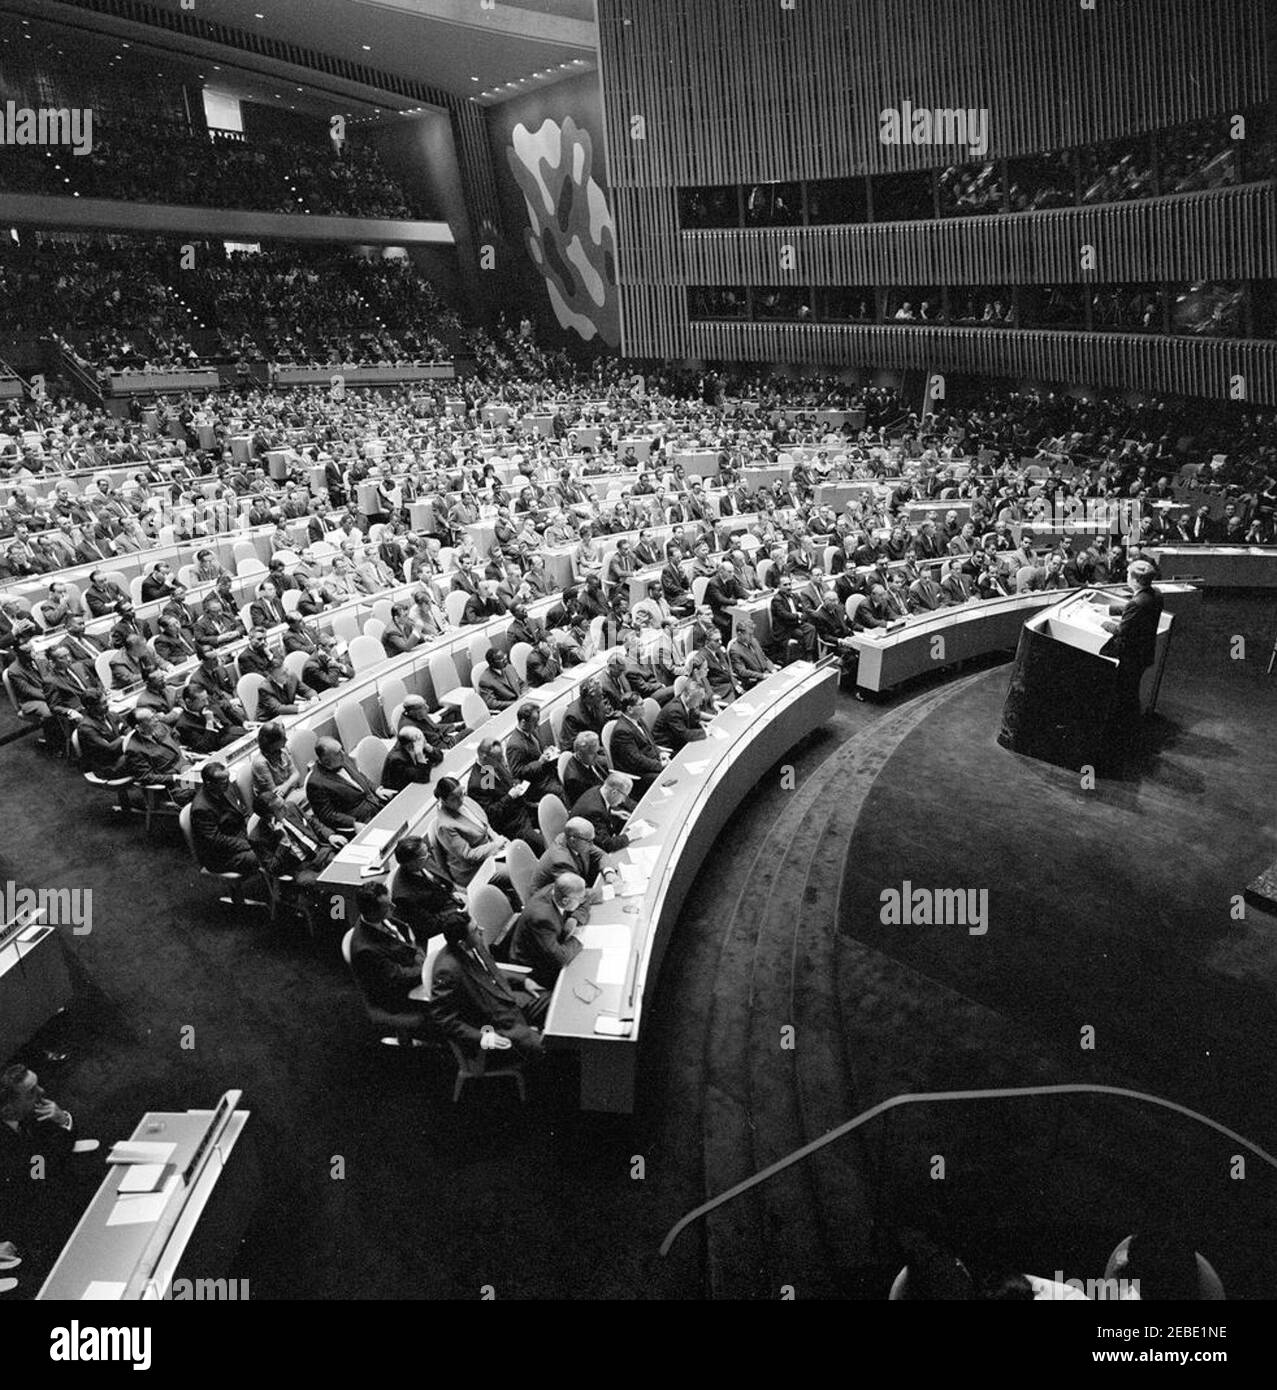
421, 900
1137, 631
399, 771
386, 968
677, 726
609, 827
508, 815
749, 662
335, 802
541, 939
578, 778
789, 615
465, 996
559, 860
578, 718
634, 750
267, 612
219, 829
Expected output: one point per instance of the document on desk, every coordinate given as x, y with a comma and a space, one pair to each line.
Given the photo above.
638, 829
141, 1177
141, 1151
359, 855
103, 1291
696, 769
142, 1208
605, 936
739, 708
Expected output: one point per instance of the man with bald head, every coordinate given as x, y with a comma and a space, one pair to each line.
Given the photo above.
339, 794
544, 938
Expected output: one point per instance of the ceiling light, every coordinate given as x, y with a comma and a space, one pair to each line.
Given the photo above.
366, 47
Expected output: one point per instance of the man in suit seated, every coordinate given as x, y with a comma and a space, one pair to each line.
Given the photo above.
674, 584
100, 734
791, 619
67, 682
37, 1136
574, 852
291, 843
437, 734
587, 767
267, 609
411, 760
465, 835
152, 754
326, 668
483, 605
256, 659
218, 683
607, 807
587, 712
679, 722
215, 627
750, 664
475, 1005
387, 962
530, 757
172, 644
199, 727
722, 592
421, 897
544, 663
281, 692
722, 679
339, 794
634, 750
503, 798
219, 824
544, 938
499, 686
955, 585
400, 636
925, 595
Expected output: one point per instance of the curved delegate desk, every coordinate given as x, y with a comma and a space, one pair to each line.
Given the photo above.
597, 1007
924, 643
1220, 566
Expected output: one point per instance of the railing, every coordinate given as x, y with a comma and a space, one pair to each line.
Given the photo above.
1021, 1168
83, 379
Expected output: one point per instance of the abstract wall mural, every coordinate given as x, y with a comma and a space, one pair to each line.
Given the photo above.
571, 236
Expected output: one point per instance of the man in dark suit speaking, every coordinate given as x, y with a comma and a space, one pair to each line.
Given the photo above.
1135, 627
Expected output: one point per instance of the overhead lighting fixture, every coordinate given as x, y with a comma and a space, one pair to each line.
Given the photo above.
366, 47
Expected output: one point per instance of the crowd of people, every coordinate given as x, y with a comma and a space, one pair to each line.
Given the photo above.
128, 305
142, 161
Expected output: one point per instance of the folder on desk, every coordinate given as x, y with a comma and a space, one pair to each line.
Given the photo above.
140, 1151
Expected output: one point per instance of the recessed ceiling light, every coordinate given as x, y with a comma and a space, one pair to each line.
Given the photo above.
366, 47
258, 16
474, 79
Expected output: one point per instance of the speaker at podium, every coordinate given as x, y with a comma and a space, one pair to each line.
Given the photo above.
1064, 685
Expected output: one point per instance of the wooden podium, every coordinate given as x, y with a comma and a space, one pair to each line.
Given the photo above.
1064, 683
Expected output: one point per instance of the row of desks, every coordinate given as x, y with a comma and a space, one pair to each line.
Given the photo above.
610, 984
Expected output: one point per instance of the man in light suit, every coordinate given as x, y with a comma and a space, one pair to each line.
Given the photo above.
544, 938
465, 835
955, 585
500, 686
573, 852
925, 595
339, 794
749, 662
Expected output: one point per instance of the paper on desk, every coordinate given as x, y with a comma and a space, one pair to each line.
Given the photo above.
738, 708
376, 839
605, 936
141, 1151
638, 829
715, 732
356, 854
142, 1208
612, 965
641, 860
141, 1177
103, 1291
606, 892
696, 769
